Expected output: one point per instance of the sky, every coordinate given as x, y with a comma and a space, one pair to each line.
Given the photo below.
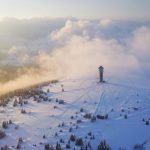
91, 9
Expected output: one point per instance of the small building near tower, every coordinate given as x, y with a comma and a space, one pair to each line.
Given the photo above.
101, 71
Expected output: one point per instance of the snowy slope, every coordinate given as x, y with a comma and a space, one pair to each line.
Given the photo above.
116, 99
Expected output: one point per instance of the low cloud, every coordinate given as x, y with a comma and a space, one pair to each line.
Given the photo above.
37, 50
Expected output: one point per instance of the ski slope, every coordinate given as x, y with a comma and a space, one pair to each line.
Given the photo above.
116, 99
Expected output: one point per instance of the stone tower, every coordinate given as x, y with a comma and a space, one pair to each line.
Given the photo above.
101, 70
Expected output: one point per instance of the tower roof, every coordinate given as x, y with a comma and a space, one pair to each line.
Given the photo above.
101, 67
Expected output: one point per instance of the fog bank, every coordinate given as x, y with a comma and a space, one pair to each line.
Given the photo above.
41, 49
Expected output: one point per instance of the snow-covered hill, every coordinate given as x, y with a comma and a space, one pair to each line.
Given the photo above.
56, 114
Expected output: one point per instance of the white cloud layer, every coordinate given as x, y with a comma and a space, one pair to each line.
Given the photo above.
73, 48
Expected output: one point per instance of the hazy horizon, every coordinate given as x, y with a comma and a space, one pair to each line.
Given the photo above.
82, 9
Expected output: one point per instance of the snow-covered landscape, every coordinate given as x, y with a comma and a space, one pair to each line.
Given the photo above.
115, 111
